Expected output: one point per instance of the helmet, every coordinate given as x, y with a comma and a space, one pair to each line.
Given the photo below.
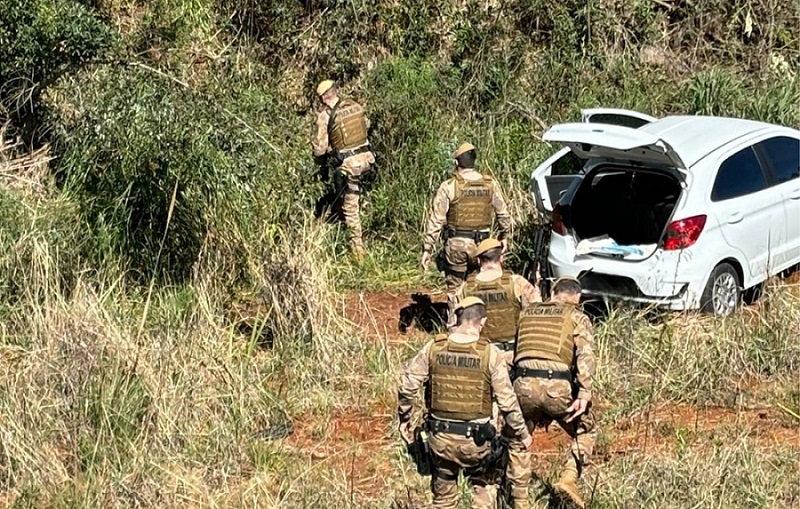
324, 86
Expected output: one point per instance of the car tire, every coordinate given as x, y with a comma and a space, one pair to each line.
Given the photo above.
723, 292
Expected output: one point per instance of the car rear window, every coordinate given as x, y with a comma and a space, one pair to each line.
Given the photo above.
739, 175
783, 154
617, 119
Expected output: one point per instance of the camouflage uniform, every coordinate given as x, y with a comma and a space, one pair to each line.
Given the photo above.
458, 250
543, 401
452, 452
525, 294
352, 167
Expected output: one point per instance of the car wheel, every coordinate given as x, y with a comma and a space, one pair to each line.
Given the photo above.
723, 292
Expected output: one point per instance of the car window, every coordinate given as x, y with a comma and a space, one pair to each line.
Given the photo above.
617, 119
739, 175
568, 164
783, 154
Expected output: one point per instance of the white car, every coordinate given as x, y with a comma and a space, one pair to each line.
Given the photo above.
685, 212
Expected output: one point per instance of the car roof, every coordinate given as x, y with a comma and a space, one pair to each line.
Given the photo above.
694, 137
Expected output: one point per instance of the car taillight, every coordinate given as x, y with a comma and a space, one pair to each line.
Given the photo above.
684, 233
558, 221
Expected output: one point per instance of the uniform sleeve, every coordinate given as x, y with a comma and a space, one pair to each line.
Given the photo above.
437, 217
501, 212
319, 142
415, 373
526, 292
505, 397
585, 360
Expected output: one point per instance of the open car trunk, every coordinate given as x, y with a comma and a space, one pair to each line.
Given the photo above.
622, 212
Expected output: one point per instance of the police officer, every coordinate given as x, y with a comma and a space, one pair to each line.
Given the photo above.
554, 365
465, 207
504, 294
462, 374
341, 133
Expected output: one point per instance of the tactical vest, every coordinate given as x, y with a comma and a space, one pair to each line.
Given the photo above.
502, 309
460, 380
347, 127
471, 207
546, 333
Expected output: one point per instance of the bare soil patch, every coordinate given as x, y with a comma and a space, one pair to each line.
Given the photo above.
359, 440
354, 441
383, 314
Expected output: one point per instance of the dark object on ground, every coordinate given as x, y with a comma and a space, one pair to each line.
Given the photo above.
265, 339
275, 431
427, 315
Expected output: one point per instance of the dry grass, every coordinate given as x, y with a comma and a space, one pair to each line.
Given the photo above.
26, 172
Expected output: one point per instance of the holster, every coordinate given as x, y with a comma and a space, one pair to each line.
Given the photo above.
441, 263
494, 462
420, 451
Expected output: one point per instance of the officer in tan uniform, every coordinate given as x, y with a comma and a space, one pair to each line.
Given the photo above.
554, 365
341, 133
505, 295
465, 207
462, 375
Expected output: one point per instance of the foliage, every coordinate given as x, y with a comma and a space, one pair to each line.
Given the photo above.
39, 41
170, 310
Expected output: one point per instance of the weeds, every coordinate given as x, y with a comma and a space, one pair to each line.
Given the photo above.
173, 331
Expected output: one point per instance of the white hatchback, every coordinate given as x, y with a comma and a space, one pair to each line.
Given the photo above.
685, 212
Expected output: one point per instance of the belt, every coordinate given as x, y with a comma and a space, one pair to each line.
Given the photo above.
463, 428
354, 151
505, 346
470, 234
548, 374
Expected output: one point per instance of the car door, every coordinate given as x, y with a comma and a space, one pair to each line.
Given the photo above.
782, 154
749, 211
551, 178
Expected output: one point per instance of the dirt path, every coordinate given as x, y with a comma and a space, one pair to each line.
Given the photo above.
358, 441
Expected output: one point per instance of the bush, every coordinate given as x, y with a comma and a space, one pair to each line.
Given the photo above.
41, 40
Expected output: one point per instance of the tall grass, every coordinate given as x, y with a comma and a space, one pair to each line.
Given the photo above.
170, 311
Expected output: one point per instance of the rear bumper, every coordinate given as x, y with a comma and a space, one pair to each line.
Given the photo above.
601, 287
671, 280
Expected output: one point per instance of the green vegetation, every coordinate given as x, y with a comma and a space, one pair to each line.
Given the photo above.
170, 309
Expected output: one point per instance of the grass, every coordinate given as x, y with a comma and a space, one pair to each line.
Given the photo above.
171, 312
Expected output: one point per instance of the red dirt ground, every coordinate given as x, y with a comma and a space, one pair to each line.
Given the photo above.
358, 441
379, 313
353, 441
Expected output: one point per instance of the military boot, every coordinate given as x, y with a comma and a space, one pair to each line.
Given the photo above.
359, 252
357, 248
567, 488
519, 499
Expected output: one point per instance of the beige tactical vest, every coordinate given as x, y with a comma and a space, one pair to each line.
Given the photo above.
347, 128
471, 207
502, 309
546, 333
460, 379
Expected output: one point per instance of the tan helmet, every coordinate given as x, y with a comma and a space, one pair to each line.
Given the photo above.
468, 302
487, 245
464, 147
324, 86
